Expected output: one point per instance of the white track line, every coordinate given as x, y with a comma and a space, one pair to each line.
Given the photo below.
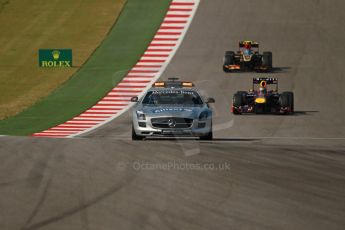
139, 79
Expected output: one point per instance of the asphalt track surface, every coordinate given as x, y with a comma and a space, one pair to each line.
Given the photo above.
283, 172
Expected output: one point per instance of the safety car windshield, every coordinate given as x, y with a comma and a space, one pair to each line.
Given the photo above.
172, 97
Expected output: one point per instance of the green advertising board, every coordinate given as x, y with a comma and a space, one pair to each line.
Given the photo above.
50, 58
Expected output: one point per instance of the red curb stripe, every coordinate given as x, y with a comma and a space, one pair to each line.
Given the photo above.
131, 86
115, 100
73, 126
158, 50
148, 66
149, 60
102, 109
140, 76
75, 130
182, 3
126, 91
144, 81
100, 113
165, 39
177, 16
171, 28
154, 55
159, 44
45, 135
143, 71
81, 123
174, 22
123, 105
87, 120
54, 133
104, 117
177, 9
169, 33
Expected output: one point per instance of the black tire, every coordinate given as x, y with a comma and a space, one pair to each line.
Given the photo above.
207, 137
237, 100
291, 99
267, 60
229, 59
135, 137
286, 99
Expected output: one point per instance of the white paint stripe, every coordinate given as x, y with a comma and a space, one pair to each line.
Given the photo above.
133, 84
170, 30
180, 8
153, 58
164, 42
95, 115
184, 13
123, 93
141, 74
108, 107
167, 36
162, 47
114, 102
102, 112
176, 19
59, 129
128, 78
148, 63
118, 97
146, 68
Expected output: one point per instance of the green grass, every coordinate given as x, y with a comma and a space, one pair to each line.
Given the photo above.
121, 49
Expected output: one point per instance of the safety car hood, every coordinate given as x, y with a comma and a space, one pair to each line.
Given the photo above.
179, 111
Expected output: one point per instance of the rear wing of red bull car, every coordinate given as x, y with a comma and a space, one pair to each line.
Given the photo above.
264, 81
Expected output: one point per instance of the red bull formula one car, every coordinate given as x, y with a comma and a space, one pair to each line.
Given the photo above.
263, 100
247, 58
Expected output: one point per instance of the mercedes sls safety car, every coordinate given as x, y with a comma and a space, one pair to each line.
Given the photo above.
172, 108
247, 58
261, 99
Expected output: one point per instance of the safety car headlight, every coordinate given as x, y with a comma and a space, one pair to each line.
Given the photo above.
141, 116
203, 116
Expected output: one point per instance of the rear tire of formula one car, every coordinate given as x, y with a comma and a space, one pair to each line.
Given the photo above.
286, 100
291, 100
267, 60
229, 59
238, 100
135, 137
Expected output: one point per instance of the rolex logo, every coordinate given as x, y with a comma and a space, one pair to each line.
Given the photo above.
56, 54
49, 58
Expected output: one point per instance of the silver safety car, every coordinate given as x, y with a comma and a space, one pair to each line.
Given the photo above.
172, 108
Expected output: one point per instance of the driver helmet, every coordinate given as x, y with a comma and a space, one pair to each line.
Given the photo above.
247, 45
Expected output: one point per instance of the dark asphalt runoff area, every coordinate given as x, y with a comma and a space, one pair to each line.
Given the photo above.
260, 172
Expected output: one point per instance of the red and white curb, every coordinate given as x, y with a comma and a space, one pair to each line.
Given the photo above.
139, 79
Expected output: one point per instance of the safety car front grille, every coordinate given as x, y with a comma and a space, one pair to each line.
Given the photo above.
172, 122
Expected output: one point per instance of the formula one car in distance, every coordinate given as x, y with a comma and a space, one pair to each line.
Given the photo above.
172, 108
263, 100
247, 58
